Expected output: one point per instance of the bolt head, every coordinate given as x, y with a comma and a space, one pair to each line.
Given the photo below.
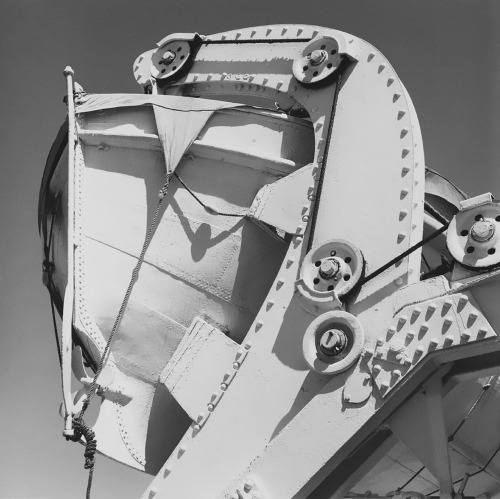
317, 57
168, 57
482, 231
328, 268
333, 342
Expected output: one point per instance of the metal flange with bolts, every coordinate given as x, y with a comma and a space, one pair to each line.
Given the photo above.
329, 272
333, 342
474, 233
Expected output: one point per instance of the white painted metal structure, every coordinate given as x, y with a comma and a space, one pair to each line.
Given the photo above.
258, 356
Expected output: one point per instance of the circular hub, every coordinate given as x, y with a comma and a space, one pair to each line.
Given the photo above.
169, 59
333, 342
317, 61
473, 238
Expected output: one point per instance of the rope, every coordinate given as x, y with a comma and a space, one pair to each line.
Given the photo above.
340, 72
207, 208
133, 279
79, 426
82, 430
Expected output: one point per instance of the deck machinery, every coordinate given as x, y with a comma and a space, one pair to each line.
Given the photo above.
262, 287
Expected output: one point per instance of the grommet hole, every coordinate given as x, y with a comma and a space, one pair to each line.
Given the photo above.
478, 217
305, 68
497, 218
333, 52
470, 249
316, 280
491, 251
347, 259
315, 73
323, 47
330, 288
465, 232
347, 277
317, 263
329, 65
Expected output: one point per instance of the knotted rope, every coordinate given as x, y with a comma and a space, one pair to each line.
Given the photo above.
79, 425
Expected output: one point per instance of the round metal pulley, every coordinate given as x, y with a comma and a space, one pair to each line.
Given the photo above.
330, 271
474, 235
317, 61
170, 58
333, 342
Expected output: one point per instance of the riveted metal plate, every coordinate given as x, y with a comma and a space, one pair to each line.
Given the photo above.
416, 331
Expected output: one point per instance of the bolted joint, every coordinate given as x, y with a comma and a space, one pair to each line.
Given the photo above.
329, 268
168, 57
333, 342
317, 57
482, 231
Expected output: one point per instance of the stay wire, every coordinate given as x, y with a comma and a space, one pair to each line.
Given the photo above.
472, 474
207, 208
404, 254
451, 437
54, 322
340, 73
411, 479
484, 389
48, 268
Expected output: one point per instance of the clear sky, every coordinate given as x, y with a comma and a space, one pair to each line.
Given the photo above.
445, 52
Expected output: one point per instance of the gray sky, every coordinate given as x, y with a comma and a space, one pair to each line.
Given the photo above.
444, 51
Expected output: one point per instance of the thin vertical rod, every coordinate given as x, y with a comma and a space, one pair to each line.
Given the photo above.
67, 322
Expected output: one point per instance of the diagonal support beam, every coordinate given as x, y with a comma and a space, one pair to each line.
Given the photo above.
438, 436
